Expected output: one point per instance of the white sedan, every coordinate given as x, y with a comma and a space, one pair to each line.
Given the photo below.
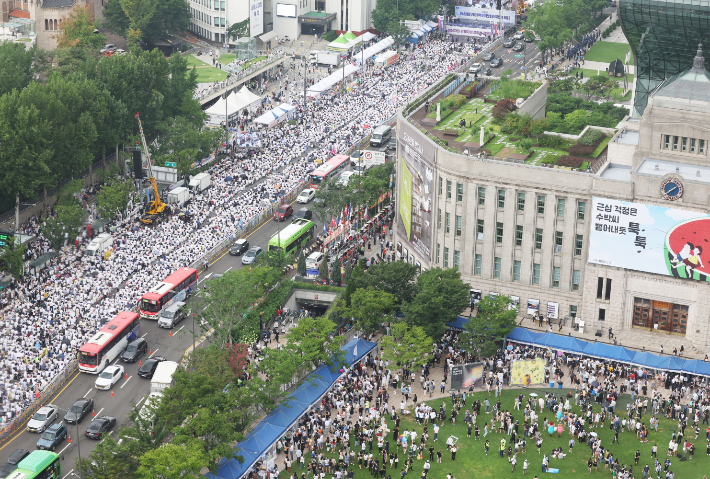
306, 195
109, 376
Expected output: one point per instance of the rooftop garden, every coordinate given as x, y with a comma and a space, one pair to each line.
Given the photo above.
506, 88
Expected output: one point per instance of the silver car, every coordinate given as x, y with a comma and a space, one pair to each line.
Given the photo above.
252, 255
43, 418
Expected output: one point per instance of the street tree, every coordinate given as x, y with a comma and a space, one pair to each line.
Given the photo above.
441, 295
227, 299
14, 257
400, 34
494, 320
172, 461
78, 30
146, 19
17, 68
407, 346
549, 23
323, 269
113, 197
25, 151
108, 459
370, 307
397, 278
301, 265
313, 341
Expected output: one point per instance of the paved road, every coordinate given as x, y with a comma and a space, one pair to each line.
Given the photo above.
515, 63
135, 389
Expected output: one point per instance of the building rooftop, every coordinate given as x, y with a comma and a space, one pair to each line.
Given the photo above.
316, 14
57, 3
661, 168
629, 137
617, 172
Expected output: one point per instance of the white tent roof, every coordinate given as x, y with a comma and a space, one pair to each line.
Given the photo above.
367, 36
248, 96
217, 108
275, 113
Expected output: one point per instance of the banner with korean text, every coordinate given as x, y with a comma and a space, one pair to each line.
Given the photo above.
654, 239
525, 373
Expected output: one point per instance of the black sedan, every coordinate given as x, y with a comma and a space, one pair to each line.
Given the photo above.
135, 350
519, 47
496, 62
100, 426
148, 368
79, 410
487, 72
489, 56
391, 145
239, 247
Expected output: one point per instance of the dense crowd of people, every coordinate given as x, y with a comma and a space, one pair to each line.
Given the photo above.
47, 317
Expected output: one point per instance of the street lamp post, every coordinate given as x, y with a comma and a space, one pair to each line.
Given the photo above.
78, 441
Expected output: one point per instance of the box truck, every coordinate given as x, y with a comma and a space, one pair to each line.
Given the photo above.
179, 196
99, 244
329, 58
386, 59
199, 183
163, 376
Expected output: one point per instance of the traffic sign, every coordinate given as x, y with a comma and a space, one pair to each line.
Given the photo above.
171, 164
373, 155
518, 55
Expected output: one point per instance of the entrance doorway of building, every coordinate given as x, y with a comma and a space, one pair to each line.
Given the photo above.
660, 316
307, 29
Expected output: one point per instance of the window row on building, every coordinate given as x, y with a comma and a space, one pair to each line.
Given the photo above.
682, 144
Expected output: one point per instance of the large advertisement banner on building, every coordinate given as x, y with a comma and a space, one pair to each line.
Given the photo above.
490, 14
466, 376
405, 197
416, 185
526, 373
256, 17
654, 239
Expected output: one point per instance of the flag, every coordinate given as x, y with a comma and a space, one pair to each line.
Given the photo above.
367, 207
324, 228
332, 220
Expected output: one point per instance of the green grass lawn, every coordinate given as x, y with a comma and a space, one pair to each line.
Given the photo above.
472, 461
598, 150
227, 57
205, 71
197, 61
608, 52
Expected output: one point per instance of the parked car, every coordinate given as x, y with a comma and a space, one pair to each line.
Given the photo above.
519, 47
12, 462
488, 56
283, 212
509, 43
306, 195
52, 437
391, 145
148, 367
79, 410
475, 68
100, 426
136, 349
251, 256
108, 377
496, 62
108, 47
239, 247
304, 213
43, 418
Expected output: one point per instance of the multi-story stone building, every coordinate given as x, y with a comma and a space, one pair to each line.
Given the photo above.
626, 246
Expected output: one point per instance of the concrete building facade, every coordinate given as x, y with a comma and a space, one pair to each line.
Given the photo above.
621, 247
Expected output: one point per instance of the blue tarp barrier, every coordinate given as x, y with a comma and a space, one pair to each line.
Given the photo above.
607, 351
458, 324
273, 426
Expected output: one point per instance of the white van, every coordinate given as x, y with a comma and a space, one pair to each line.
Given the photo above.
99, 244
314, 260
381, 135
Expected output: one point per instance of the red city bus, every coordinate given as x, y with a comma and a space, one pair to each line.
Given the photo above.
329, 169
109, 342
174, 288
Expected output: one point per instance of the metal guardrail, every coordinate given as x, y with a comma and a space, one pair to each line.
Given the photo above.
44, 398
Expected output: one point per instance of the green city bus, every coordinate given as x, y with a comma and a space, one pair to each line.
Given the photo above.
294, 236
38, 465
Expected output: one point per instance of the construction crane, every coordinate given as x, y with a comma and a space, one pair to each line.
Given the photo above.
153, 209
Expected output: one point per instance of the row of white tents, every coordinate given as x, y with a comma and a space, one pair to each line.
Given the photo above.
235, 103
359, 58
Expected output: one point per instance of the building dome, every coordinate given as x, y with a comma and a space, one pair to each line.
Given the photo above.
691, 85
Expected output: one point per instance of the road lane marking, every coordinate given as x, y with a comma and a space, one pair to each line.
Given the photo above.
180, 329
65, 447
68, 474
227, 269
140, 401
153, 353
143, 335
125, 382
99, 413
88, 392
206, 277
102, 440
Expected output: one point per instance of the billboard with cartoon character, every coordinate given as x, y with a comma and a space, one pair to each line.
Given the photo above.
649, 238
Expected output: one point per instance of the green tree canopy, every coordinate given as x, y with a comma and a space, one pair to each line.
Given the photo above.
313, 340
397, 278
17, 68
492, 323
441, 295
407, 346
77, 30
370, 307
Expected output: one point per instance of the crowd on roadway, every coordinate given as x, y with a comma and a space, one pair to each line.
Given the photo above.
47, 317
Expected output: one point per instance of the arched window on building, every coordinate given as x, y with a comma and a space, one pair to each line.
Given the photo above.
46, 24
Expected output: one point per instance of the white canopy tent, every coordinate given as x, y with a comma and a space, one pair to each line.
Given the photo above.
235, 103
367, 36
